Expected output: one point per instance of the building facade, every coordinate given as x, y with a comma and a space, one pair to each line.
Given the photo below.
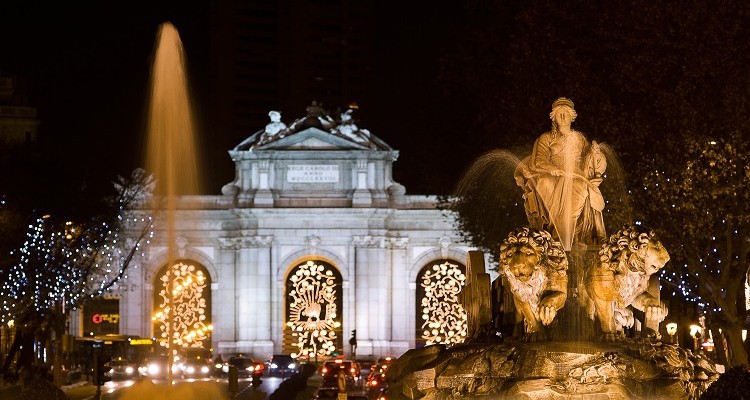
311, 246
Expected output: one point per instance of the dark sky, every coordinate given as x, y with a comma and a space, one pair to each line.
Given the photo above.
88, 67
444, 94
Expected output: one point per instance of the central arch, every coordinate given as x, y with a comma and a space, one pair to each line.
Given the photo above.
313, 308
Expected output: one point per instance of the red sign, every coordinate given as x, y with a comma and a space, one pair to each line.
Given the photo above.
108, 318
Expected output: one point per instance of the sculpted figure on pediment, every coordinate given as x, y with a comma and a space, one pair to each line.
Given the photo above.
274, 129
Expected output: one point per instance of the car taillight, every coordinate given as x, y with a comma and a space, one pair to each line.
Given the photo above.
374, 382
325, 370
259, 367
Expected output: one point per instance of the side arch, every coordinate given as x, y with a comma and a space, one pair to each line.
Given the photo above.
439, 315
184, 287
459, 256
157, 261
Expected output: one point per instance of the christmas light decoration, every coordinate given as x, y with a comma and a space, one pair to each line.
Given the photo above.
182, 295
312, 314
63, 264
444, 319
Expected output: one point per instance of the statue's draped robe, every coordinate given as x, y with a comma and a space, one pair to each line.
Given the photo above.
570, 206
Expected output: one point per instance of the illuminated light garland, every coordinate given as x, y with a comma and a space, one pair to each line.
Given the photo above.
192, 327
312, 313
444, 319
63, 265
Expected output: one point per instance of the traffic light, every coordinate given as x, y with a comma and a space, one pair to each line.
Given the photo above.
353, 340
100, 369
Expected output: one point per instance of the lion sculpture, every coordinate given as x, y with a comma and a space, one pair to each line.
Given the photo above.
625, 276
535, 266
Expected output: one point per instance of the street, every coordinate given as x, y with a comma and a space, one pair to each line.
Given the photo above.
118, 389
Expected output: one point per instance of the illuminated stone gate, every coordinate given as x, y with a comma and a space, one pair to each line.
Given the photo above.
317, 190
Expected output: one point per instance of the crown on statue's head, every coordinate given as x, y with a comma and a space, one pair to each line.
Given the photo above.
563, 101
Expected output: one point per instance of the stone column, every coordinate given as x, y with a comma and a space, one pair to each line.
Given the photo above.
223, 297
253, 301
401, 324
366, 249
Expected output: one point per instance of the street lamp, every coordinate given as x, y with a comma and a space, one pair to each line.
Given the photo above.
695, 332
672, 331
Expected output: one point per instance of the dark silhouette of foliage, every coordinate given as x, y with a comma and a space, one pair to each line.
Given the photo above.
733, 384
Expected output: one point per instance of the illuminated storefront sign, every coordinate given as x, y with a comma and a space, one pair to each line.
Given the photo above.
101, 317
105, 318
141, 342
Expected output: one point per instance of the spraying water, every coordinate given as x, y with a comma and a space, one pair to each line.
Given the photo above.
171, 145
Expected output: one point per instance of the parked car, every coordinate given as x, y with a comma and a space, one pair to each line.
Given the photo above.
282, 365
122, 369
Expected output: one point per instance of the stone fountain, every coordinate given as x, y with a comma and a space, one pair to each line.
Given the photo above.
566, 295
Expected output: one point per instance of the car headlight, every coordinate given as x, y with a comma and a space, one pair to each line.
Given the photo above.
204, 369
218, 366
292, 366
153, 369
129, 370
190, 370
225, 368
274, 366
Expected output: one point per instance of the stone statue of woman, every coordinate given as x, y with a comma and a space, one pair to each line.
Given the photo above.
560, 181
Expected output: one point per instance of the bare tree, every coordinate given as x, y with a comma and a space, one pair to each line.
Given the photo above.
62, 264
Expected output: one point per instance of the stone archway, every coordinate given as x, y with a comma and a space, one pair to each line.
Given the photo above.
313, 310
190, 285
440, 318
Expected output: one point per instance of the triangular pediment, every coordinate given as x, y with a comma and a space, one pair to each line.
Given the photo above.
312, 139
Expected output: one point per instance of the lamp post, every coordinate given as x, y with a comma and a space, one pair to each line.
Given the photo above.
695, 332
672, 331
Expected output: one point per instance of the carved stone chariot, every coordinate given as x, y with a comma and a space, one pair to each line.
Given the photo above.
553, 324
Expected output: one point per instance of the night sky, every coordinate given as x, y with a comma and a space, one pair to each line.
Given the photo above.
87, 68
445, 91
